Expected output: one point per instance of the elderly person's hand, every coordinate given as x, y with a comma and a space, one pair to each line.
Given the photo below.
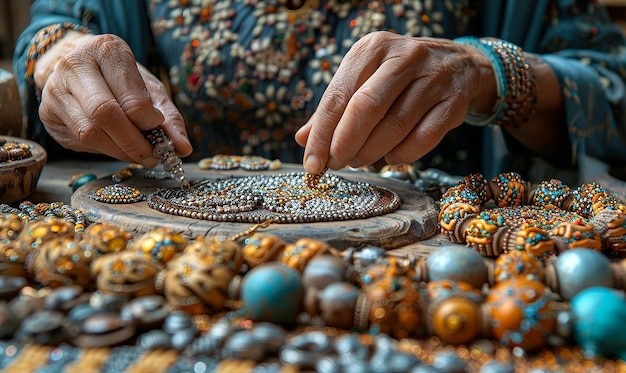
96, 98
395, 97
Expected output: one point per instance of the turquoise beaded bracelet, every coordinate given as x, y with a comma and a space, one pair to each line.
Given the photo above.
516, 87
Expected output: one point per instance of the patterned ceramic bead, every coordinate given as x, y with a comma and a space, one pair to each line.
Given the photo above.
14, 253
104, 238
456, 321
451, 217
529, 238
390, 299
125, 273
298, 254
577, 235
60, 261
161, 244
518, 263
610, 224
521, 313
41, 230
552, 192
454, 313
10, 227
216, 251
481, 231
509, 189
198, 282
261, 248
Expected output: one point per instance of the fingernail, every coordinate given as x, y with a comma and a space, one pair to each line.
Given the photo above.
312, 164
150, 162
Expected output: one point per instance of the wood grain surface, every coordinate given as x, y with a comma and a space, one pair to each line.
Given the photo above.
414, 221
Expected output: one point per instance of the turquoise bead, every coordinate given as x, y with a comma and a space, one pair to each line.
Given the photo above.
272, 292
457, 263
82, 180
578, 269
598, 327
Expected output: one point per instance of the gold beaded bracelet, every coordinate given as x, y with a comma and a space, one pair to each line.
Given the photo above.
43, 40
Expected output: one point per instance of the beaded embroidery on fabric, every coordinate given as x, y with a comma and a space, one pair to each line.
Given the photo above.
280, 198
250, 73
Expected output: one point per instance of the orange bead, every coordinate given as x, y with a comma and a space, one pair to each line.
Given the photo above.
456, 321
521, 313
518, 263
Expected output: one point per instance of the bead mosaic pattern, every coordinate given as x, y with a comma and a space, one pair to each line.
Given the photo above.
281, 198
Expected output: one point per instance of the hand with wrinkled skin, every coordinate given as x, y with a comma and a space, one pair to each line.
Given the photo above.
394, 98
96, 98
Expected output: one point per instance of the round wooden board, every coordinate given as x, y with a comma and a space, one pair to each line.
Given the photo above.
414, 220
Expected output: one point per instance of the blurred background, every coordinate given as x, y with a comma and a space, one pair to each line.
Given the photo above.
13, 18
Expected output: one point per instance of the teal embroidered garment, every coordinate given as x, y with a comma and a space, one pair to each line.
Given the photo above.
246, 74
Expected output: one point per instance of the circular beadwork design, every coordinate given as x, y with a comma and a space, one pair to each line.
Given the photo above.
550, 217
254, 163
118, 193
280, 198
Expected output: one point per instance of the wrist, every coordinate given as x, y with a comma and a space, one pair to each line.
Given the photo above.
47, 47
484, 96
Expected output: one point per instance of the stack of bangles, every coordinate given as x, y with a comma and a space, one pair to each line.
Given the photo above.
516, 87
544, 219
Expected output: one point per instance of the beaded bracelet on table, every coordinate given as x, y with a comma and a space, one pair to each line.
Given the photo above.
547, 218
43, 40
516, 86
164, 150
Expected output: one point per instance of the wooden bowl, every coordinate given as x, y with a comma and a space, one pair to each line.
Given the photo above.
18, 179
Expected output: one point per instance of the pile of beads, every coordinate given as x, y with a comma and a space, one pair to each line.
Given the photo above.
262, 301
13, 151
80, 295
542, 219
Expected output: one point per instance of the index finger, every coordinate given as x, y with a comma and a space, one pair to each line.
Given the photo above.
112, 93
120, 71
317, 134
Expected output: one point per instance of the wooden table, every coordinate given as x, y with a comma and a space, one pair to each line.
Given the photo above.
54, 186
